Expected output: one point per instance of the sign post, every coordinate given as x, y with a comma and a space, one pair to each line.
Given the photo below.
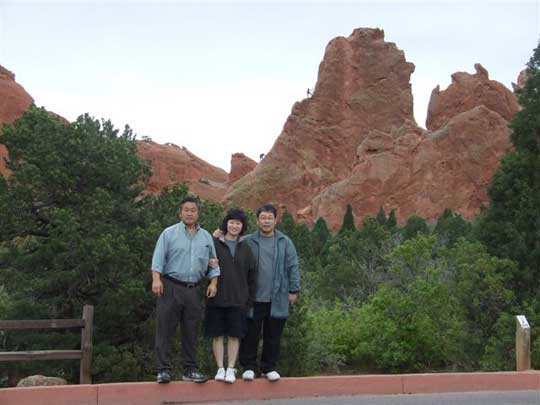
523, 344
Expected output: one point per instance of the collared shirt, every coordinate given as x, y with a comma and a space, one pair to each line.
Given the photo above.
184, 256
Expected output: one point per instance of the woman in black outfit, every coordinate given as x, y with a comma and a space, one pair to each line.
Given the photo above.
226, 312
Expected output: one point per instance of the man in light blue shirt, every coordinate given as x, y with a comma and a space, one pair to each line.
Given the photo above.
184, 255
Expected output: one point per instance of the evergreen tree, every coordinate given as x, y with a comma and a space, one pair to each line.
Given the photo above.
71, 225
348, 221
415, 225
381, 216
356, 263
287, 226
526, 124
391, 223
320, 234
450, 227
510, 227
303, 241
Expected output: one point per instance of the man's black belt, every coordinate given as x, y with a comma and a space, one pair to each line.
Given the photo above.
182, 283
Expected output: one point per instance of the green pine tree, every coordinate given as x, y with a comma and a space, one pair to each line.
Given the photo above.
415, 225
391, 223
381, 216
526, 124
510, 227
348, 221
450, 227
321, 234
287, 225
73, 231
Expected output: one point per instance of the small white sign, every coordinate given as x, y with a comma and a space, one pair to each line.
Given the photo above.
523, 321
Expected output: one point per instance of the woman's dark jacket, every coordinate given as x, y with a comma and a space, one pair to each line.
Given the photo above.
236, 283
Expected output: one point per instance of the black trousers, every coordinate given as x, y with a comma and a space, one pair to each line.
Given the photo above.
177, 304
272, 329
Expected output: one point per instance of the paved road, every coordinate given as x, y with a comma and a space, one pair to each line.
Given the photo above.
473, 398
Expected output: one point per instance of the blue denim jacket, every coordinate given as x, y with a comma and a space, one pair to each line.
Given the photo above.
182, 256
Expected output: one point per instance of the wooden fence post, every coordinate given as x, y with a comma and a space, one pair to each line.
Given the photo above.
523, 344
86, 345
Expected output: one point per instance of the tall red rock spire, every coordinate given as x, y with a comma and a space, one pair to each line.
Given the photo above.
363, 85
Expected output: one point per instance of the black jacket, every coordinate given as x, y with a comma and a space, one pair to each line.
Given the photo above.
236, 283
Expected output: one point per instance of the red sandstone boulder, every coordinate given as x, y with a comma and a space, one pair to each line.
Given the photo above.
174, 164
466, 92
240, 166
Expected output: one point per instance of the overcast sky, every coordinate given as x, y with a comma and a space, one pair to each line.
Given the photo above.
220, 77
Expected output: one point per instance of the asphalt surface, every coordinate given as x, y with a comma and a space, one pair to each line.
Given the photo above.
462, 398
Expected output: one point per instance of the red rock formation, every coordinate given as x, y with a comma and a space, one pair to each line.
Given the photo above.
14, 101
466, 92
363, 85
418, 172
240, 166
355, 141
173, 164
415, 172
170, 163
522, 78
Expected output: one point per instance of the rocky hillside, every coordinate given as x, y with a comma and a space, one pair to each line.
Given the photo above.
170, 163
354, 141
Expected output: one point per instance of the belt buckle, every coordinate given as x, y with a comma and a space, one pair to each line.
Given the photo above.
191, 285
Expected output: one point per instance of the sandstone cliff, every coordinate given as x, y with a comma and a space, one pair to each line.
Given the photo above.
356, 142
363, 85
174, 164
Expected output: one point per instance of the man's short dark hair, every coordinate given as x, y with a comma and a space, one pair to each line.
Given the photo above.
237, 214
191, 199
267, 208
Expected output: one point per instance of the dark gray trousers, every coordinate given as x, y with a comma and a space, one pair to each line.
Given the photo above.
272, 329
178, 304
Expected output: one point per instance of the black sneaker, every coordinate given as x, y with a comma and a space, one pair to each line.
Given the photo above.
163, 377
195, 376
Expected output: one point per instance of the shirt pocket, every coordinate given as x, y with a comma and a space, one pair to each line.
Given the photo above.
203, 252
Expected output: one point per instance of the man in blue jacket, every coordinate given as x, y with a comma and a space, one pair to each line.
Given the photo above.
278, 284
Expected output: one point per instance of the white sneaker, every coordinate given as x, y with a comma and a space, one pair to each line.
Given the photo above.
220, 375
272, 376
230, 375
249, 375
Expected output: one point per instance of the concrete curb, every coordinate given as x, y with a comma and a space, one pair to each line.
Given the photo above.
175, 393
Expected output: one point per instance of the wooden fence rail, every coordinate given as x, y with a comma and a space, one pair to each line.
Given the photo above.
86, 325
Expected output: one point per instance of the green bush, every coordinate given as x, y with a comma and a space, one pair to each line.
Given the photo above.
418, 330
